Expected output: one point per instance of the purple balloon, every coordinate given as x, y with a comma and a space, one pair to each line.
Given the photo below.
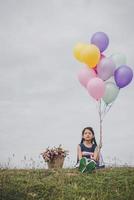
101, 40
123, 76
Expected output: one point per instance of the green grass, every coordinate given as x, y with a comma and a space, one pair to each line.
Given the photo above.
67, 184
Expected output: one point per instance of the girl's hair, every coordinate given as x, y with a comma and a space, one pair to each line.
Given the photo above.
90, 129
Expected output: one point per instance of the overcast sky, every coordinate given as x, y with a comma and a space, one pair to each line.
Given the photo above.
41, 101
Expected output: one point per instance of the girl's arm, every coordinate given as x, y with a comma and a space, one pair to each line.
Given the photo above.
79, 153
96, 153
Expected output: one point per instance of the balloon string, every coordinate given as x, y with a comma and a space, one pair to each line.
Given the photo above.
100, 120
102, 110
107, 108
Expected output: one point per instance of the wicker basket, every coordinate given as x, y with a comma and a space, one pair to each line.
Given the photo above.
56, 163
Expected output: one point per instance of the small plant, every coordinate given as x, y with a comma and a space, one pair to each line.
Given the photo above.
51, 154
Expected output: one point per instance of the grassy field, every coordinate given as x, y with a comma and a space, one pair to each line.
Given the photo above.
67, 184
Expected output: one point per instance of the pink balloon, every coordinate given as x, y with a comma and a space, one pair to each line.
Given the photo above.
105, 68
85, 74
96, 88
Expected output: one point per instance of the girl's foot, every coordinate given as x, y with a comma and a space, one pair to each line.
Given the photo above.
90, 166
82, 166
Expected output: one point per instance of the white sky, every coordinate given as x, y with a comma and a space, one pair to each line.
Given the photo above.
41, 101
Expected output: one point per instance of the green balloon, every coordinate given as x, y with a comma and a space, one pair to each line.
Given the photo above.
119, 59
111, 92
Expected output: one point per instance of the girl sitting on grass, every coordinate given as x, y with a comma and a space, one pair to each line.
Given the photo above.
88, 151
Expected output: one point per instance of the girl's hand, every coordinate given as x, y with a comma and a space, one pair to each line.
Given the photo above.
92, 155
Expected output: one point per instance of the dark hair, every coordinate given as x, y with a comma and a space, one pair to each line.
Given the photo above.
90, 129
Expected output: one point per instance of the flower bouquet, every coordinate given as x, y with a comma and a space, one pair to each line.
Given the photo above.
54, 156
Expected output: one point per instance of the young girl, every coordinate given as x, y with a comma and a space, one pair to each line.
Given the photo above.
88, 151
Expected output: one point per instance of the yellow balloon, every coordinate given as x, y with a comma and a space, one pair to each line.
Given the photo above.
77, 51
91, 55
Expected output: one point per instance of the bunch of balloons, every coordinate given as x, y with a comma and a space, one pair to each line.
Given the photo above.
98, 71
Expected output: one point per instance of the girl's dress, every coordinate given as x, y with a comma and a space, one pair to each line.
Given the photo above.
87, 153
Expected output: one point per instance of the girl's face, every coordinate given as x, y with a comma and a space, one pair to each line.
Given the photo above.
88, 135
